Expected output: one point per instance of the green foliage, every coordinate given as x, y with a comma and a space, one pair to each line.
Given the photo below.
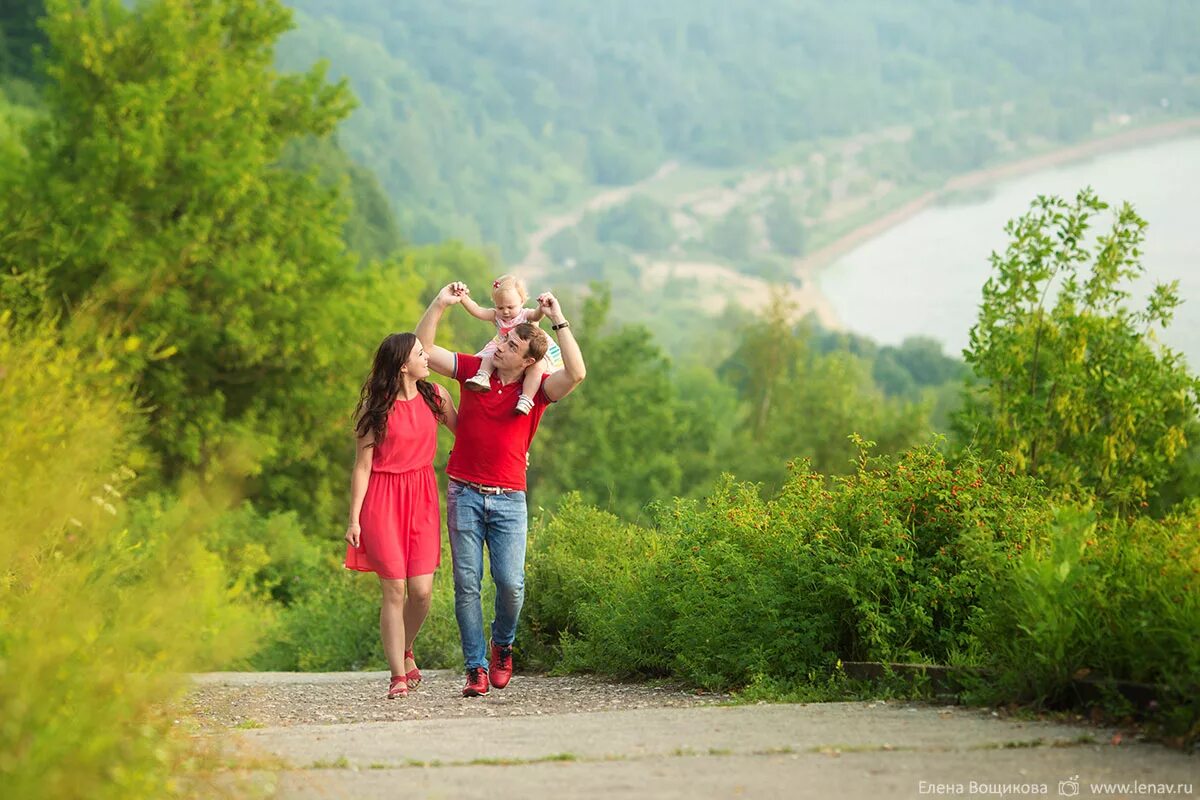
590, 579
159, 187
15, 120
20, 39
799, 402
785, 226
911, 559
479, 119
97, 619
335, 625
1079, 394
731, 236
640, 223
892, 563
370, 229
21, 293
270, 557
1104, 598
936, 149
627, 435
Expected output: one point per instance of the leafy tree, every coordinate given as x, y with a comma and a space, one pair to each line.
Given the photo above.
625, 437
891, 375
155, 193
1078, 392
370, 229
798, 402
925, 361
941, 150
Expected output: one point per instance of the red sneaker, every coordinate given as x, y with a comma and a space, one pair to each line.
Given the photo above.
477, 682
501, 665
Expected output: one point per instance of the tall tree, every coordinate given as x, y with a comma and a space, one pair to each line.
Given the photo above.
155, 194
801, 403
626, 437
1071, 381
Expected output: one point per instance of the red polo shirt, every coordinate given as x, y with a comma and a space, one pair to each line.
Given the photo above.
492, 438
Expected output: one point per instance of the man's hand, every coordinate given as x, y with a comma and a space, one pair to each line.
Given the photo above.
561, 383
453, 293
549, 305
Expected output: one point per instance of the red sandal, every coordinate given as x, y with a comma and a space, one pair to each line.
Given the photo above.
398, 687
413, 675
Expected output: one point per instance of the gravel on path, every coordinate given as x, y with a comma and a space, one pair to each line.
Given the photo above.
283, 699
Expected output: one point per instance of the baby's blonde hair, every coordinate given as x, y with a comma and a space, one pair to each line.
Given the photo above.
506, 282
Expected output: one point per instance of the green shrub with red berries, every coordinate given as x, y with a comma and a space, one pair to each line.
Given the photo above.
914, 558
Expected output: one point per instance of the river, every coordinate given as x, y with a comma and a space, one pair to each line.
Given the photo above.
924, 276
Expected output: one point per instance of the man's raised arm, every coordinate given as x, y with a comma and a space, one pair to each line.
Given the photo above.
562, 383
441, 360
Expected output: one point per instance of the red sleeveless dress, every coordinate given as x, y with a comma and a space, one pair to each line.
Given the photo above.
400, 520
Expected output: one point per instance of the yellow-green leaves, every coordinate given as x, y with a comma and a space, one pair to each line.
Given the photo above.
1071, 384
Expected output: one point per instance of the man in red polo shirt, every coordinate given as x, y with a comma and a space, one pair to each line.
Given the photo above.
485, 501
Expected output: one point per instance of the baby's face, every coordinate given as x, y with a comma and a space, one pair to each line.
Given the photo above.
508, 303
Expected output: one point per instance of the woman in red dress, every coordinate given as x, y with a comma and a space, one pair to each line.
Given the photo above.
395, 525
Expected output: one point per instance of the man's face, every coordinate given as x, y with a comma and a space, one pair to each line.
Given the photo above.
511, 354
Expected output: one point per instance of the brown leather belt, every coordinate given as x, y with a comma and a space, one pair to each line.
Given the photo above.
479, 487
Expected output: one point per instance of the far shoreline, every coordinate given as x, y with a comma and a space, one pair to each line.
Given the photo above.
809, 266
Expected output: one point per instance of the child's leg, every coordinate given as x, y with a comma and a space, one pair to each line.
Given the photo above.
481, 381
529, 389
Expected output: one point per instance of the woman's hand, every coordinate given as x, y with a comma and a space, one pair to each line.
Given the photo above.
353, 534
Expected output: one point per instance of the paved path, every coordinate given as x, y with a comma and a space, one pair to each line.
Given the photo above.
676, 746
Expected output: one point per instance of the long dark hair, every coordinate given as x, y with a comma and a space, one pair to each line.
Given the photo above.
382, 386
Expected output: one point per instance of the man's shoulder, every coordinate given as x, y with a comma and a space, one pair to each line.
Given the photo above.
465, 365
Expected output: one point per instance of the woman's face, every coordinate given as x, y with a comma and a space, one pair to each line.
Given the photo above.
417, 366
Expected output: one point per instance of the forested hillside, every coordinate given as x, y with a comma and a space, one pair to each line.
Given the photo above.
477, 117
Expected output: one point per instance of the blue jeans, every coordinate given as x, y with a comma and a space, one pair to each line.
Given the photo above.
501, 521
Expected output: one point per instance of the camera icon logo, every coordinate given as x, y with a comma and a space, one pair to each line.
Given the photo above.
1069, 787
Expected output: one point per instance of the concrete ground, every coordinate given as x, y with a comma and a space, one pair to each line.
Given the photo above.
868, 750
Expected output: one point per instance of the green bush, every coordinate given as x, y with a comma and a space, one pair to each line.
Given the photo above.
1104, 598
1072, 384
909, 559
591, 597
891, 563
269, 556
97, 618
334, 625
